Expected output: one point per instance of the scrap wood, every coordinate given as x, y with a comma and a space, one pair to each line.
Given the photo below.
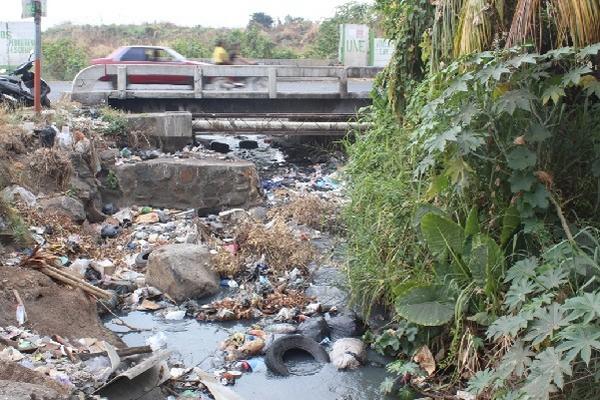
129, 351
43, 262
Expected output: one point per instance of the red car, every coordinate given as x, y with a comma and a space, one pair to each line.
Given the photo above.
148, 55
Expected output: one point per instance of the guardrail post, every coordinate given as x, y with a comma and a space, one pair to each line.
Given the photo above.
272, 82
198, 82
122, 81
343, 85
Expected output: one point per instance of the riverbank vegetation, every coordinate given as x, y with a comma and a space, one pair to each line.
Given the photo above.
475, 195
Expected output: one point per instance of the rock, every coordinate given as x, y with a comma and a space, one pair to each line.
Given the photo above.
10, 390
11, 193
109, 231
219, 147
315, 328
189, 183
64, 205
150, 218
124, 216
83, 146
183, 271
348, 353
248, 144
109, 209
104, 267
328, 296
233, 216
259, 213
345, 325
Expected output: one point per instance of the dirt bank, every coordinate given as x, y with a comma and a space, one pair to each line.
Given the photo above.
52, 309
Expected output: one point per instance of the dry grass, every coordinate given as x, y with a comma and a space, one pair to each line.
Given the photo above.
310, 210
47, 164
275, 241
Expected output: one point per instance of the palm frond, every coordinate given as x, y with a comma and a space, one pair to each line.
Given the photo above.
474, 33
580, 20
525, 23
445, 25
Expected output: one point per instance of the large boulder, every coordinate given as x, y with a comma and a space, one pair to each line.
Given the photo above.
64, 205
315, 328
344, 325
183, 271
211, 183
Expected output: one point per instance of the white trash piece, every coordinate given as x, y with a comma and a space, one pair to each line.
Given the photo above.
65, 140
175, 315
157, 342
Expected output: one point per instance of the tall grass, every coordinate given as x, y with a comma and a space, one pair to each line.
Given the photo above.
384, 252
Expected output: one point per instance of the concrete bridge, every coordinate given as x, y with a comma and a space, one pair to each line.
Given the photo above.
206, 89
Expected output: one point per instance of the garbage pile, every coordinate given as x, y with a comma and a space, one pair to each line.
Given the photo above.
212, 266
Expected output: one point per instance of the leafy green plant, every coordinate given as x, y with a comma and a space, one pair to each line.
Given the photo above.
112, 181
63, 59
401, 339
551, 323
470, 266
116, 123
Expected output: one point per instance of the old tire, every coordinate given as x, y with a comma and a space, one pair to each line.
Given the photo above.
277, 350
142, 259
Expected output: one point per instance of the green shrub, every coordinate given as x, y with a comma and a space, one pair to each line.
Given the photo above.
63, 59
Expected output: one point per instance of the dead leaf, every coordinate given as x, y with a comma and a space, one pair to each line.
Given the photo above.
545, 178
519, 140
424, 358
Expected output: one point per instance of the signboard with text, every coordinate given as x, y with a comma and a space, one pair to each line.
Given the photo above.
381, 52
354, 45
17, 40
29, 8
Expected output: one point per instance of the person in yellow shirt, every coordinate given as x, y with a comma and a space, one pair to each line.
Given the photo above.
220, 55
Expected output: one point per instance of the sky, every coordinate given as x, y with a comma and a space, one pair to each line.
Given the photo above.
211, 13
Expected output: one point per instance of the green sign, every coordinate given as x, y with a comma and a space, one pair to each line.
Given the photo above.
29, 8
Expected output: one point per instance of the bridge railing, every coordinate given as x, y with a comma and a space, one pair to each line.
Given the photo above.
103, 82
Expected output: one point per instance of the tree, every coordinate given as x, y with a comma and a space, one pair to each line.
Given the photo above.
63, 59
191, 48
328, 37
262, 19
256, 44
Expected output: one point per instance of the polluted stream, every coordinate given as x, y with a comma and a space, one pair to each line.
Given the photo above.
196, 343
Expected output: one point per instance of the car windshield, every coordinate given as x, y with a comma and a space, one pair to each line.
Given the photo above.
175, 55
153, 54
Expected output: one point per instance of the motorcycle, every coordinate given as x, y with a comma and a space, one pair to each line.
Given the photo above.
12, 92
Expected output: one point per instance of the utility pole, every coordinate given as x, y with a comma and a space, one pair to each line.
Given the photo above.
37, 101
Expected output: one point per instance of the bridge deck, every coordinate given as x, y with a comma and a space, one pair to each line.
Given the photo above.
100, 83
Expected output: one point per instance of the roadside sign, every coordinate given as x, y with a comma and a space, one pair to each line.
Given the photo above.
17, 40
354, 45
381, 52
29, 8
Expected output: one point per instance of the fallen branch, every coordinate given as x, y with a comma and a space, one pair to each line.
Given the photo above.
130, 351
42, 262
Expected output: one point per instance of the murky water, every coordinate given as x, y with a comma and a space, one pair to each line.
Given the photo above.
195, 343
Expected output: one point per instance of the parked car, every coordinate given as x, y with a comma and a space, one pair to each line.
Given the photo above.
156, 55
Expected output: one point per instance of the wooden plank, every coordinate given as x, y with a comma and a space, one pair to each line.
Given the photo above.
122, 81
272, 83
